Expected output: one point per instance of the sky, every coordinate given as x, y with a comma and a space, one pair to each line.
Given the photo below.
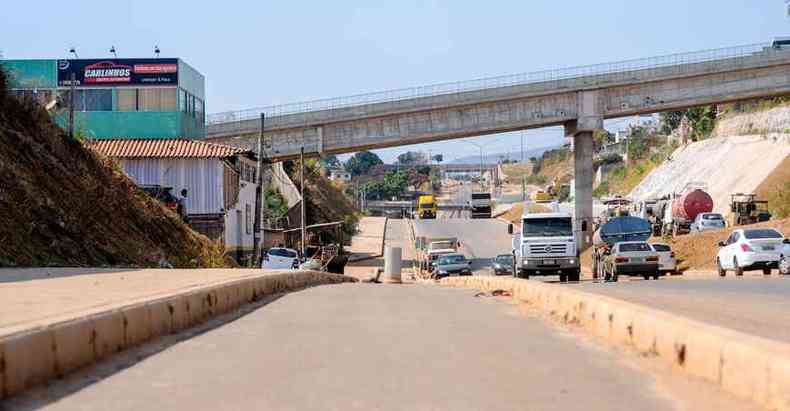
260, 53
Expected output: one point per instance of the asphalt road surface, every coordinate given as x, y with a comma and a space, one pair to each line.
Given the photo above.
753, 305
481, 239
366, 347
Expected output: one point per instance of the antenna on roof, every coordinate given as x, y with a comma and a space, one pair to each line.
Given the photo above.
73, 51
112, 50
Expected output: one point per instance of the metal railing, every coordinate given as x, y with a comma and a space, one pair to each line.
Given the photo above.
491, 82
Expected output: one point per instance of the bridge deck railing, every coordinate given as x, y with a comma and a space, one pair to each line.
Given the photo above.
679, 59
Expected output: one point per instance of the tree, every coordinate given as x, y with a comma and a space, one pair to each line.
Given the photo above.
670, 120
330, 161
410, 158
438, 158
361, 162
702, 120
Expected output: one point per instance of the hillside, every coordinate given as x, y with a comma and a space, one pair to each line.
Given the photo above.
62, 204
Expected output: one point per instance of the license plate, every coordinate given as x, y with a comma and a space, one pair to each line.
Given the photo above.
549, 262
453, 274
768, 248
636, 259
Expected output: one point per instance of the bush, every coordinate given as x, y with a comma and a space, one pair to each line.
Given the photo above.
601, 191
779, 202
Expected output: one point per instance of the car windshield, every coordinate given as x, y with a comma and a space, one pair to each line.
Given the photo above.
661, 247
712, 217
504, 259
547, 227
635, 247
282, 252
451, 259
761, 233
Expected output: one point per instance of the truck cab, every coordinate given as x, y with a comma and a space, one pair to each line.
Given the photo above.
481, 205
426, 206
546, 245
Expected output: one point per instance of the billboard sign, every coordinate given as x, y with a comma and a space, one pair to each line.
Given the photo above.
115, 72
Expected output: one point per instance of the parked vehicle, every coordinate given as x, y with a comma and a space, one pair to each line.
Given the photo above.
784, 258
750, 249
426, 206
624, 229
452, 265
667, 264
279, 258
707, 221
747, 209
546, 245
502, 264
481, 205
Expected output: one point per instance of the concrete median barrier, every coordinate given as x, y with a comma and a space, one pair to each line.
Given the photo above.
32, 357
746, 366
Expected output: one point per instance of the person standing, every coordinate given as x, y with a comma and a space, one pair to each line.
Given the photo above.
181, 207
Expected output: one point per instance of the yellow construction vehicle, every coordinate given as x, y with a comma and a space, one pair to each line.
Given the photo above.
426, 206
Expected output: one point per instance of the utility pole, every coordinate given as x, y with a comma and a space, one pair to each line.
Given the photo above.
301, 186
260, 200
522, 147
72, 99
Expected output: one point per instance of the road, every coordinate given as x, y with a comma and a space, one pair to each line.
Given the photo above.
753, 305
367, 346
481, 239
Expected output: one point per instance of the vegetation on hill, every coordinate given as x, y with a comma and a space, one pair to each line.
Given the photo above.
325, 202
62, 204
776, 189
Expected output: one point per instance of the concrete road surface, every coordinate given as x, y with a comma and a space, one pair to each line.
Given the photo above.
368, 347
481, 239
754, 305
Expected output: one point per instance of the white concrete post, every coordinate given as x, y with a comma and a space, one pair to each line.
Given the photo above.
392, 265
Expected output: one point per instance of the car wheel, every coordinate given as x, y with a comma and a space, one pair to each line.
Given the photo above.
784, 265
738, 269
720, 269
766, 271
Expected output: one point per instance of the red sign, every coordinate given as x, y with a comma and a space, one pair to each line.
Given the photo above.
155, 68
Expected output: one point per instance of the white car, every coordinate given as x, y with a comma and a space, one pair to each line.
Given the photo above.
749, 249
279, 258
707, 221
784, 258
667, 264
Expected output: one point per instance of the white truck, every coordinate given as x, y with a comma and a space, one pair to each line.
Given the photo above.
546, 245
429, 249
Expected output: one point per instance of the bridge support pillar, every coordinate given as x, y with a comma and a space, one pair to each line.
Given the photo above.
582, 130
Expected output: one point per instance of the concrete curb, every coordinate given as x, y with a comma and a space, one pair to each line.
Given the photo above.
351, 259
32, 357
746, 366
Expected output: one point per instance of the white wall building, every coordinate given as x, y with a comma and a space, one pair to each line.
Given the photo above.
339, 174
220, 183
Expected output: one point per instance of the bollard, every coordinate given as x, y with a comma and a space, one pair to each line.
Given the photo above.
392, 265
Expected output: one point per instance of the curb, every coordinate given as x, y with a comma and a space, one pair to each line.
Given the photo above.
746, 366
33, 357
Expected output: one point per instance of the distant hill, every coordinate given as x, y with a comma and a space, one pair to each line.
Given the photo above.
496, 157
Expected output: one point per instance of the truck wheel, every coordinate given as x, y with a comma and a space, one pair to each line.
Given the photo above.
720, 269
646, 276
575, 277
563, 278
766, 271
738, 269
655, 276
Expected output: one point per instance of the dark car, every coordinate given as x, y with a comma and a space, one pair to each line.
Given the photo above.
452, 265
163, 194
502, 264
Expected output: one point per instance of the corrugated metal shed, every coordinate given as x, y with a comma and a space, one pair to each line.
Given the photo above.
164, 148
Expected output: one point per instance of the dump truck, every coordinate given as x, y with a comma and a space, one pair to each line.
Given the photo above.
426, 206
481, 205
616, 230
546, 245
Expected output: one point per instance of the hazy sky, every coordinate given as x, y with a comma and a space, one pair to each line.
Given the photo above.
259, 53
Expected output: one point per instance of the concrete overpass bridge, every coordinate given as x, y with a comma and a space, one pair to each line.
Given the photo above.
577, 98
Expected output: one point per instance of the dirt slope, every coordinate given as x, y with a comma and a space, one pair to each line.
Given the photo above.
62, 204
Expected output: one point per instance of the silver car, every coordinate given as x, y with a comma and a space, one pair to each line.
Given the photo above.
452, 265
707, 221
667, 264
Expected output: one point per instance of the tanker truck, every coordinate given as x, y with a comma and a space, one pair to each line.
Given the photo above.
678, 211
616, 230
